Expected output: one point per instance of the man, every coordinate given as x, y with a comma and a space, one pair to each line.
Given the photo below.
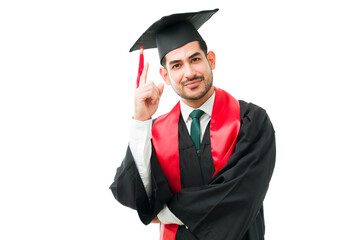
203, 169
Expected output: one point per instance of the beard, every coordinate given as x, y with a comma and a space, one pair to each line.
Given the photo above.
208, 82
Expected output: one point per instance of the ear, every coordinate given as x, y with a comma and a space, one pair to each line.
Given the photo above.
212, 59
164, 74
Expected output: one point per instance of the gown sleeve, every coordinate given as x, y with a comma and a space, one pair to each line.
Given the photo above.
227, 206
128, 188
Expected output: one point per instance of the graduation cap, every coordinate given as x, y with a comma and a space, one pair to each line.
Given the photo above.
173, 31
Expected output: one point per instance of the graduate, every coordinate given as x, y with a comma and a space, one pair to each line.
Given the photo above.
203, 169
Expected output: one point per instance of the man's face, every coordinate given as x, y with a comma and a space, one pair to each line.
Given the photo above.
189, 71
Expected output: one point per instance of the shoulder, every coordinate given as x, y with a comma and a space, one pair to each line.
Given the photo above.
251, 110
253, 116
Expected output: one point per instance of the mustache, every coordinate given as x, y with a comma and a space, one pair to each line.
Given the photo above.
192, 79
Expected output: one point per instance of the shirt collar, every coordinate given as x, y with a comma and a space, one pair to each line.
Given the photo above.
207, 107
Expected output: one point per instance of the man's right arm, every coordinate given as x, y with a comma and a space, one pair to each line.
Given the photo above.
140, 146
135, 186
139, 182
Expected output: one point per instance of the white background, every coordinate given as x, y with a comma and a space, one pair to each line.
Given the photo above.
66, 95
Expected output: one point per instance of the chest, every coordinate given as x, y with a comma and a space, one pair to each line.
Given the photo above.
196, 167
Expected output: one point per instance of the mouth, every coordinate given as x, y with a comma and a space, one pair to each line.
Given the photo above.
193, 83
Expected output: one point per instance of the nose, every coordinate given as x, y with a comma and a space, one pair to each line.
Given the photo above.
189, 71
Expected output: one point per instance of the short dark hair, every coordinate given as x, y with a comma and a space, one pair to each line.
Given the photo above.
202, 45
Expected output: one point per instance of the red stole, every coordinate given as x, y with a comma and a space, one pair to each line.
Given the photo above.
224, 129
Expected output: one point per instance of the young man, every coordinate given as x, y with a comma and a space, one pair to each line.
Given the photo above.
203, 169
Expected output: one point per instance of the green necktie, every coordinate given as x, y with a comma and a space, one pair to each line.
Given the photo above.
195, 127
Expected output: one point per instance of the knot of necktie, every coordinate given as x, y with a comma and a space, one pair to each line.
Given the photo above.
196, 113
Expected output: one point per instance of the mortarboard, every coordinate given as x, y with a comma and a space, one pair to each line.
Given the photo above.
173, 31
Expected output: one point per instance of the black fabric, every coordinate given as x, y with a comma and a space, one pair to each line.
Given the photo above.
129, 190
206, 161
229, 206
173, 31
196, 167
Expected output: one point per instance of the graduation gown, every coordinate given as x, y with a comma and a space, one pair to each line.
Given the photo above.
225, 206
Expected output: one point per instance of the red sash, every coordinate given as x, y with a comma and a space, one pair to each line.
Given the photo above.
224, 129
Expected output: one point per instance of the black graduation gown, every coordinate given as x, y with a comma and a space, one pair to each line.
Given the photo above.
227, 206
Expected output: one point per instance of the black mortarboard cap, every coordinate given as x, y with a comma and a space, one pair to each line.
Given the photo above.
173, 31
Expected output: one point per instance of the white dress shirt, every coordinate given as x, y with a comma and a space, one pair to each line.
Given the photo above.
140, 147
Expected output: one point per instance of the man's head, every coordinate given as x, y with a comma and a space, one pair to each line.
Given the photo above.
183, 53
188, 69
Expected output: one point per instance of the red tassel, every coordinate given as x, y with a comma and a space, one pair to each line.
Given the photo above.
141, 66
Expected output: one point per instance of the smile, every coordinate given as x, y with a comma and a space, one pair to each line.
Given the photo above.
193, 84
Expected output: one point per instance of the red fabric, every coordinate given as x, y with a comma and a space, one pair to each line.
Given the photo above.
166, 143
141, 66
168, 231
224, 129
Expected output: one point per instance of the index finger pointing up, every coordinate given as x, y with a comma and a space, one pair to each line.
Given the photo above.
144, 74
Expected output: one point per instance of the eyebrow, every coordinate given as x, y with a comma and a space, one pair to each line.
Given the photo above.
177, 61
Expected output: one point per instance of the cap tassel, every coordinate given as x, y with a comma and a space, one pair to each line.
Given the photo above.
141, 66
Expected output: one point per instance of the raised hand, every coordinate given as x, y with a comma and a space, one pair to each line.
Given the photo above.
147, 97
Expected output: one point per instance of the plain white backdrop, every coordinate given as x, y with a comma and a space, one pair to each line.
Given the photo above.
66, 100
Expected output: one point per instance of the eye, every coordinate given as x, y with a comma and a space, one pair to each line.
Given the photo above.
175, 66
195, 59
